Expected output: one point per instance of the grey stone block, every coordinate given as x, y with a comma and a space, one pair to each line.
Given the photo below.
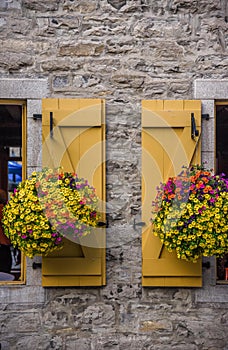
23, 88
211, 89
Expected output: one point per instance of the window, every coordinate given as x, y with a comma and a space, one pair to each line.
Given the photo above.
222, 167
12, 170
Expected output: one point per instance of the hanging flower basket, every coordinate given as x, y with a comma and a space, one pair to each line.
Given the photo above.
191, 214
46, 207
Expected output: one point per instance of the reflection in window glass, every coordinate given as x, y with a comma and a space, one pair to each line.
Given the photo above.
14, 175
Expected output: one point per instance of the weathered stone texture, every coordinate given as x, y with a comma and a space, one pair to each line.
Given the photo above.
50, 5
81, 49
123, 51
83, 7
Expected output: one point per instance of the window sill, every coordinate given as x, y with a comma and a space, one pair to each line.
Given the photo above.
222, 282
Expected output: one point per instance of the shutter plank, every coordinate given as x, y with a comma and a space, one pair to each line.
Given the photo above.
69, 281
158, 267
164, 119
172, 281
70, 266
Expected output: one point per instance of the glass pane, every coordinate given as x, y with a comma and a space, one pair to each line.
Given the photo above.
14, 175
222, 167
10, 176
222, 139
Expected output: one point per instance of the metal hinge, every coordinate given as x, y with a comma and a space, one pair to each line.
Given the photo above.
102, 224
37, 116
36, 265
205, 116
206, 264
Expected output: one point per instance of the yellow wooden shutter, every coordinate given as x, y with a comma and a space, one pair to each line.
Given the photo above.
73, 133
167, 145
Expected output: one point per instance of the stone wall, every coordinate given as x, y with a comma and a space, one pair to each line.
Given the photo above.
123, 51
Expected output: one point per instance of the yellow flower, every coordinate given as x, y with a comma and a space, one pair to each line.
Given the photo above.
180, 223
198, 217
26, 212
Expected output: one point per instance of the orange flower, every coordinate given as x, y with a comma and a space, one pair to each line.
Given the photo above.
171, 196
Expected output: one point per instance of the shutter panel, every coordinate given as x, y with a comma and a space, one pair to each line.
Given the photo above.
73, 135
167, 145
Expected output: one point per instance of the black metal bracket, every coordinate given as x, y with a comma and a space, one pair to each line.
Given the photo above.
194, 131
37, 116
207, 264
205, 116
102, 224
51, 124
141, 224
36, 265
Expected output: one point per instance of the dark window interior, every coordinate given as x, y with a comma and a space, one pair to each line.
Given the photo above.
222, 139
10, 176
10, 140
222, 167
